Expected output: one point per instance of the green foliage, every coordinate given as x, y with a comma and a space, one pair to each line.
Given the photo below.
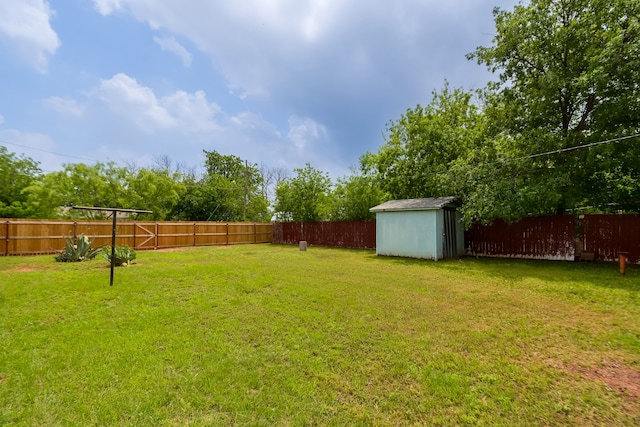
354, 195
122, 255
305, 197
105, 185
434, 151
79, 251
78, 184
228, 188
568, 77
17, 173
155, 190
423, 145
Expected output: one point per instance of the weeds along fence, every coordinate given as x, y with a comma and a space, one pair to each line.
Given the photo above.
32, 237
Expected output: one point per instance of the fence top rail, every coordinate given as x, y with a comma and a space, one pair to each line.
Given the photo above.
93, 208
71, 222
122, 220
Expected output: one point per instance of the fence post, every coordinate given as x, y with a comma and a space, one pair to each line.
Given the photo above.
75, 231
194, 234
6, 251
155, 241
255, 233
134, 234
227, 226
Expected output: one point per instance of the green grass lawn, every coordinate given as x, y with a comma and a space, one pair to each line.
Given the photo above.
268, 335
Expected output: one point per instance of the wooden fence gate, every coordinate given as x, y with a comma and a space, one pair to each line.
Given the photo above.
32, 237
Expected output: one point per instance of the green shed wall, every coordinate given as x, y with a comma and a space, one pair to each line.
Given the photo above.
414, 234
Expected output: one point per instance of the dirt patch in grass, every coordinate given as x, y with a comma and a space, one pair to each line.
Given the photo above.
615, 375
23, 269
108, 266
186, 248
179, 249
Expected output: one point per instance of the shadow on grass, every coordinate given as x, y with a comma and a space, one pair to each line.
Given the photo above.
602, 274
515, 270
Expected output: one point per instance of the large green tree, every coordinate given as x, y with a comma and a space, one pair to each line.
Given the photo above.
569, 73
304, 197
542, 139
155, 190
426, 142
78, 184
355, 194
16, 174
105, 185
438, 150
230, 190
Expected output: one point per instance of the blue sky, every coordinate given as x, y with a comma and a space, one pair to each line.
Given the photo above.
276, 82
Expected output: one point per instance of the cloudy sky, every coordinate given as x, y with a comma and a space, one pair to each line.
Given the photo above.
277, 82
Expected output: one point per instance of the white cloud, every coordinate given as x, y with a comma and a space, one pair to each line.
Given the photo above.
170, 44
64, 106
274, 48
106, 7
25, 24
349, 66
193, 112
305, 131
186, 112
250, 41
135, 102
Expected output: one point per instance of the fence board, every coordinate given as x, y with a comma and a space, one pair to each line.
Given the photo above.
551, 237
541, 238
341, 234
607, 235
4, 238
31, 237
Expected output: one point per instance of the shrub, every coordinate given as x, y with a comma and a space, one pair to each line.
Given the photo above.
123, 255
77, 252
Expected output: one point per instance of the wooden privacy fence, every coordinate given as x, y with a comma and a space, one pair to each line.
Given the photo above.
30, 237
551, 237
563, 237
340, 234
605, 236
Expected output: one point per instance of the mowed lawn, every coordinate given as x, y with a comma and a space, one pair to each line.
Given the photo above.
268, 335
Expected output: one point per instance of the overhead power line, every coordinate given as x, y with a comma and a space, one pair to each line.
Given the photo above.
532, 156
563, 150
46, 151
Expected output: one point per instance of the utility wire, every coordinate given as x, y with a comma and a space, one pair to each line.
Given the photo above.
563, 150
46, 151
532, 156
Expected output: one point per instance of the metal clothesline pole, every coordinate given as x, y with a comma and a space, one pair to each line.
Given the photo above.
113, 246
114, 213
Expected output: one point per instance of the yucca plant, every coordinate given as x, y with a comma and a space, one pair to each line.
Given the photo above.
79, 251
123, 255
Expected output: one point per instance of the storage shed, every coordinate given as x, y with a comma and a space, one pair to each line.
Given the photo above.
419, 228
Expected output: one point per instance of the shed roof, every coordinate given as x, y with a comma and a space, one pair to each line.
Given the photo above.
427, 204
